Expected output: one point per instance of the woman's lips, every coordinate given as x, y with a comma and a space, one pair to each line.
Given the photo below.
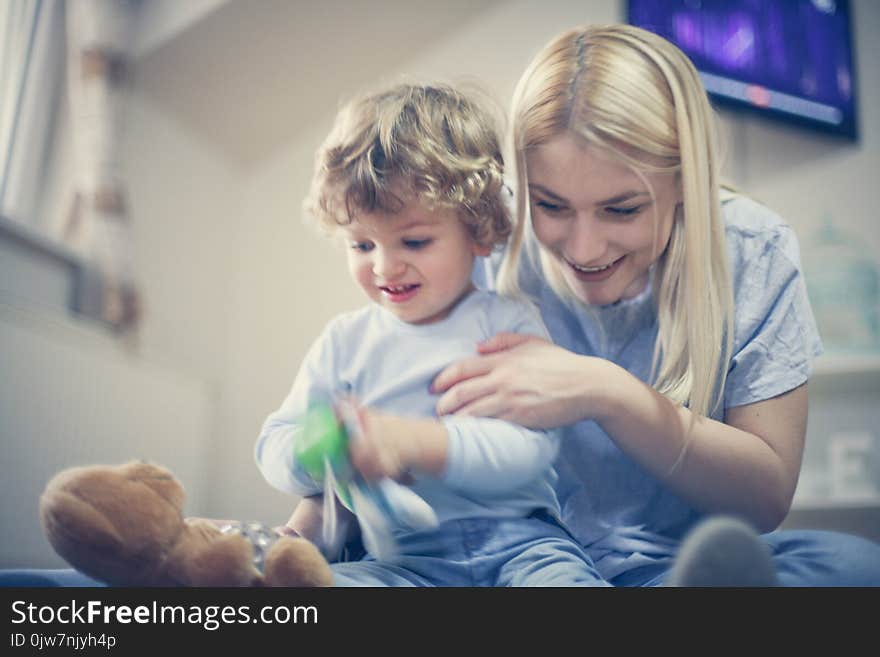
594, 274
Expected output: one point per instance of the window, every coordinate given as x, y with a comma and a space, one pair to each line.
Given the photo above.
63, 83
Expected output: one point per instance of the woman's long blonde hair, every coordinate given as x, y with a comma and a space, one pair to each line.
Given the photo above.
637, 97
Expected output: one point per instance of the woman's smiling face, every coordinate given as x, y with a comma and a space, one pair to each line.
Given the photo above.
596, 218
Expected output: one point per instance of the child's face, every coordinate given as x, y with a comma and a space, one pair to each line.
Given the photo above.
416, 263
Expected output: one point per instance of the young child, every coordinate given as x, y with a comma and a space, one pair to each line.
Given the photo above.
411, 179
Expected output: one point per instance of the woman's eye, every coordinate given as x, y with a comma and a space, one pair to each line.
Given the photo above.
547, 206
416, 244
624, 212
363, 247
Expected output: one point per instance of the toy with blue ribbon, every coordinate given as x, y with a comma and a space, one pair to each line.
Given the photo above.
381, 506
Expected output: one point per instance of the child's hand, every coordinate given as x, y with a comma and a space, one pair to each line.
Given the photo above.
384, 447
391, 445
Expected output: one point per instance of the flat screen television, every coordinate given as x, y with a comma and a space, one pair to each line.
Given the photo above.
788, 59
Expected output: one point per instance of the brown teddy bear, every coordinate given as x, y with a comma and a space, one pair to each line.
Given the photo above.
123, 525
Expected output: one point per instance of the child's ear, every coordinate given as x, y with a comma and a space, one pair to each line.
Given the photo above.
482, 251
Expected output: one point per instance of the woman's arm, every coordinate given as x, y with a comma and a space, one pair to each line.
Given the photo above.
747, 466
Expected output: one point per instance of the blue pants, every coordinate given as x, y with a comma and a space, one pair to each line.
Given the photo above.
802, 558
533, 551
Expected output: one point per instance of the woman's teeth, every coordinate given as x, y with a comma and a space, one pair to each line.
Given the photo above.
591, 270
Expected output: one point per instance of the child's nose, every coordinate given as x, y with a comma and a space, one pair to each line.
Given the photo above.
387, 266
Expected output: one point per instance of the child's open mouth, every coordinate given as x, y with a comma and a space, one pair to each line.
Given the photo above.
399, 293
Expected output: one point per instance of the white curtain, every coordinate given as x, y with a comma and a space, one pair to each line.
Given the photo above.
31, 80
77, 47
98, 34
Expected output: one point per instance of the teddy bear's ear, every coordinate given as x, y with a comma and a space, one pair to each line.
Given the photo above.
115, 523
80, 533
68, 519
159, 479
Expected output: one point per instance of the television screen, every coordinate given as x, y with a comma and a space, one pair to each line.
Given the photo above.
790, 59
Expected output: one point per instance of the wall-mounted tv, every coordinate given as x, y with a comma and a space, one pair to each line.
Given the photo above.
788, 59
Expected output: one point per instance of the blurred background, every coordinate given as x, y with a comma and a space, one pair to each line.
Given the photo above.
158, 288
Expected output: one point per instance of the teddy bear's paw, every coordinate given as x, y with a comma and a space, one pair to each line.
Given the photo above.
205, 557
295, 562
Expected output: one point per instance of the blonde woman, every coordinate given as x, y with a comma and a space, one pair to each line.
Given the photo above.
683, 336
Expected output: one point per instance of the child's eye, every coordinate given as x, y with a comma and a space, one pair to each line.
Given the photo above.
416, 244
363, 247
624, 212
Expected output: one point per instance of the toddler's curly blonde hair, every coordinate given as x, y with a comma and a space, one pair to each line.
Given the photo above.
431, 144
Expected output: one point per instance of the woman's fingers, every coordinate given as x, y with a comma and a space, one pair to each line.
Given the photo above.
503, 341
461, 371
486, 406
465, 393
482, 365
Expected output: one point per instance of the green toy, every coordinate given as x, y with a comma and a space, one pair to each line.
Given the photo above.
324, 442
382, 507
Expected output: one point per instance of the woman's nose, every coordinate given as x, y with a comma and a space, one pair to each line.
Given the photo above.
585, 243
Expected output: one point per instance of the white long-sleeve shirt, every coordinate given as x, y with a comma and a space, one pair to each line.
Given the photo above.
494, 468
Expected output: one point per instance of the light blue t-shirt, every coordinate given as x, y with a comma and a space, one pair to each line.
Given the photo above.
494, 468
620, 512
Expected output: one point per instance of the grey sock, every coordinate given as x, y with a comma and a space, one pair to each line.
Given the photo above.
723, 551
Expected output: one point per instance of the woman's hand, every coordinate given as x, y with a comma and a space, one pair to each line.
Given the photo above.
526, 380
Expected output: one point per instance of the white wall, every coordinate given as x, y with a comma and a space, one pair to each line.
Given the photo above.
71, 396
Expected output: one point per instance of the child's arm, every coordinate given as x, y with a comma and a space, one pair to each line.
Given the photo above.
274, 457
273, 451
306, 519
477, 455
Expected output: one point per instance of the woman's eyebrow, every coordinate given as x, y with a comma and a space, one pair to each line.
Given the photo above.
617, 198
621, 198
546, 192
